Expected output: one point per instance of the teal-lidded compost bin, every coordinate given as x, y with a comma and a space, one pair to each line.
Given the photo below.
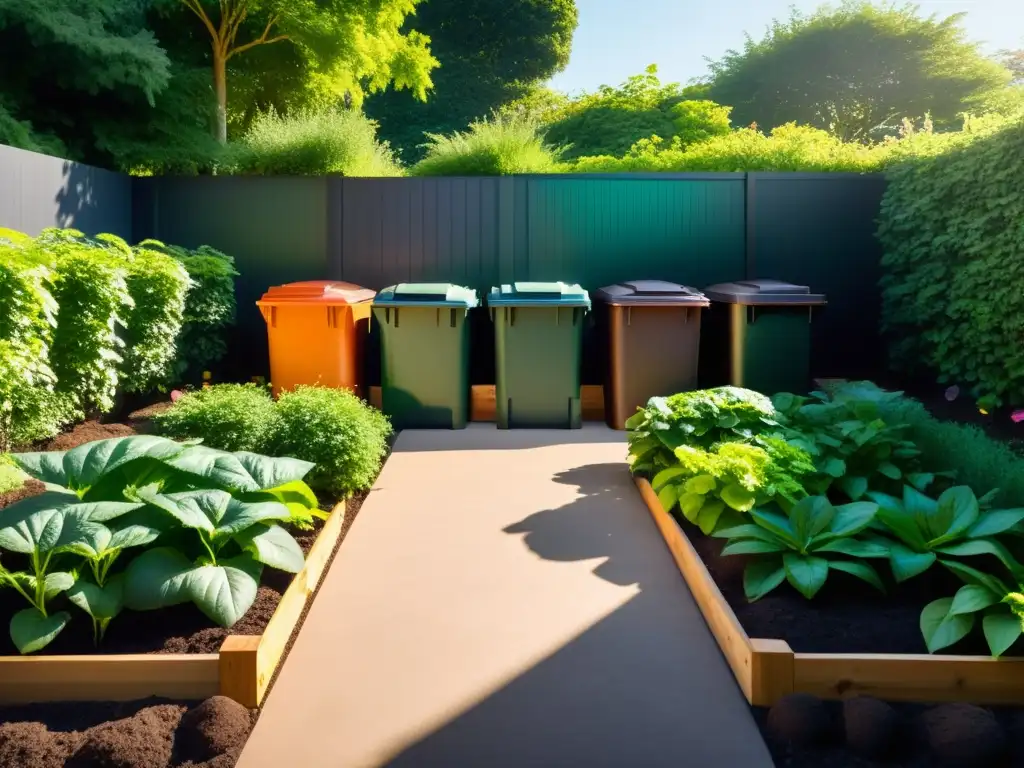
757, 335
424, 354
538, 344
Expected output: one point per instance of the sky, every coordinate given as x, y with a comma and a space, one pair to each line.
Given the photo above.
619, 38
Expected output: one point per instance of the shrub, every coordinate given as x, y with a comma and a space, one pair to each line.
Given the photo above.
158, 285
341, 434
952, 226
210, 306
311, 144
10, 476
699, 120
229, 417
495, 147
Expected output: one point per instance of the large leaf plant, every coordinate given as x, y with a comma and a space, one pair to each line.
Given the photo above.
213, 519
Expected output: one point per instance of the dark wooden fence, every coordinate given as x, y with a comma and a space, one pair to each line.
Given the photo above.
815, 229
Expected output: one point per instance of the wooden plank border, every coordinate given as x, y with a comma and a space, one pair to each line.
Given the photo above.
768, 669
241, 670
482, 401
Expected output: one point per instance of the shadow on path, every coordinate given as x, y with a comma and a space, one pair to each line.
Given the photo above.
645, 686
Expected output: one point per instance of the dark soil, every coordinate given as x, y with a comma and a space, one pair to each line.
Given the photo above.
847, 616
153, 733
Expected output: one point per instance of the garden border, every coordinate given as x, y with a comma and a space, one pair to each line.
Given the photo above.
768, 669
242, 670
482, 401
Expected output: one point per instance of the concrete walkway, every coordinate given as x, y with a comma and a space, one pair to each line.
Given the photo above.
504, 599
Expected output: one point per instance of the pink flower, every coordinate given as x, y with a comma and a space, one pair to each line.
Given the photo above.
1017, 416
176, 395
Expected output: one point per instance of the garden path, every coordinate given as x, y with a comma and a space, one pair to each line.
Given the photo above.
504, 599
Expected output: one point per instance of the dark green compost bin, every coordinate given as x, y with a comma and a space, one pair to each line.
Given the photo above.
538, 342
424, 354
757, 335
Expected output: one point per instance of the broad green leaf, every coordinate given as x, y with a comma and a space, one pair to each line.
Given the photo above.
972, 598
752, 547
921, 480
1001, 631
761, 576
924, 512
854, 486
155, 580
102, 511
960, 506
657, 483
746, 531
807, 574
193, 509
854, 548
887, 468
86, 464
636, 420
32, 631
941, 630
776, 524
898, 520
224, 470
104, 602
738, 497
690, 505
862, 571
851, 519
702, 484
973, 547
57, 582
224, 592
667, 497
906, 563
834, 467
136, 529
995, 522
33, 524
709, 515
46, 466
272, 545
971, 575
270, 471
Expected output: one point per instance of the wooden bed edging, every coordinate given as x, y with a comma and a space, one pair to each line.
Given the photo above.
482, 405
767, 670
242, 670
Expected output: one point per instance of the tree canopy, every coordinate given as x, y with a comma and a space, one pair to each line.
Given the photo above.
856, 71
491, 52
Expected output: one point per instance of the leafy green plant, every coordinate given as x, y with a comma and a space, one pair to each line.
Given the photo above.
700, 418
736, 476
929, 530
11, 478
346, 438
158, 285
949, 619
495, 147
229, 417
214, 515
803, 545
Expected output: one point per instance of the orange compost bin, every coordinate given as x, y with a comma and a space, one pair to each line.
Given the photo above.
315, 331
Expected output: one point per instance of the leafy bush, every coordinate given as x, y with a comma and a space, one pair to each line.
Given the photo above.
215, 517
19, 133
312, 144
210, 306
699, 120
496, 147
952, 226
158, 285
10, 476
229, 417
803, 545
341, 434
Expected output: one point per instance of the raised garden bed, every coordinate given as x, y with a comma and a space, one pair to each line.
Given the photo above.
758, 641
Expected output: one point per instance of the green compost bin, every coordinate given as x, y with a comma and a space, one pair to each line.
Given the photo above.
757, 335
424, 354
538, 340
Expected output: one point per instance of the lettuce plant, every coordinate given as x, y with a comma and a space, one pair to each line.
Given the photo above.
949, 619
803, 545
926, 530
213, 515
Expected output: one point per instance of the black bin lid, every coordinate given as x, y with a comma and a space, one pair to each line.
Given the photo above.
764, 293
651, 292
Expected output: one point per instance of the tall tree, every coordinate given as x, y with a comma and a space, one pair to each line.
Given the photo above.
491, 52
351, 45
1014, 61
855, 71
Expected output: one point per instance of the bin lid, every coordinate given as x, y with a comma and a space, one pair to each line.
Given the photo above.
764, 292
651, 292
316, 292
426, 295
538, 294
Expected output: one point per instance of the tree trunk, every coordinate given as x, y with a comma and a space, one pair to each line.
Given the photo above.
220, 86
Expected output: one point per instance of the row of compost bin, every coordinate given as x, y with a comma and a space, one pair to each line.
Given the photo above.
756, 334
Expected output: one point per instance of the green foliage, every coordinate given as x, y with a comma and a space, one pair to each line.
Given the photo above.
210, 306
229, 417
158, 285
11, 477
929, 530
312, 143
951, 226
19, 133
803, 545
700, 418
495, 147
491, 52
214, 518
833, 70
696, 121
346, 438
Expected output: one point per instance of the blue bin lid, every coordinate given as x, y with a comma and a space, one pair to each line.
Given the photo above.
426, 295
754, 293
538, 295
